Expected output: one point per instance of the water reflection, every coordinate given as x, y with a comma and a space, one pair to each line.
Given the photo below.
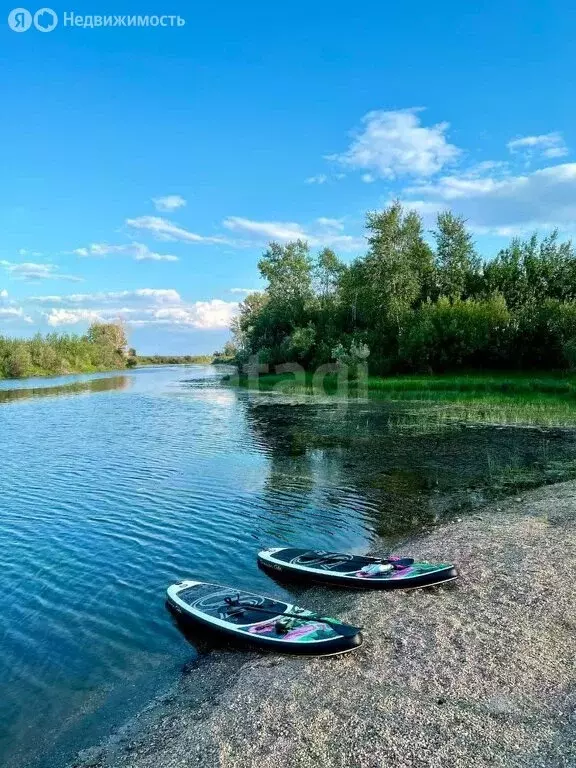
104, 384
407, 481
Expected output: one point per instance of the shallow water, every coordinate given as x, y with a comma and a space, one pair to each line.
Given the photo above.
114, 486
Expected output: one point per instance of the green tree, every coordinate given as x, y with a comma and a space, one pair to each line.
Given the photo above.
530, 271
383, 286
112, 335
456, 261
288, 270
18, 361
246, 323
230, 349
328, 273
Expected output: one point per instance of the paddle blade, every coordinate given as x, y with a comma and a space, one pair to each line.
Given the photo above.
346, 630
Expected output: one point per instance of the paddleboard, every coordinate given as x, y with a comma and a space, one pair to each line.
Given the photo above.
261, 621
359, 571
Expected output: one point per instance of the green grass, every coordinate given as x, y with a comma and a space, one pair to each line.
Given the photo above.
505, 383
432, 402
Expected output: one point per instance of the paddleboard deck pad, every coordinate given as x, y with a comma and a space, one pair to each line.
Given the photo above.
358, 571
261, 621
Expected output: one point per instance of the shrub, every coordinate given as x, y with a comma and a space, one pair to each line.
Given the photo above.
454, 333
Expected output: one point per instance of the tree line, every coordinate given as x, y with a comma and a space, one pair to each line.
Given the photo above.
225, 356
103, 347
414, 305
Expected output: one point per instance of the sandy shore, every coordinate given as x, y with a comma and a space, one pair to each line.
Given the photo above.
482, 673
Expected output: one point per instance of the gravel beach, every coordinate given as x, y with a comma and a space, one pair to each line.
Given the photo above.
478, 673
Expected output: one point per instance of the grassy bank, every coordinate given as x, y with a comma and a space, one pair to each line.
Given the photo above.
541, 399
475, 383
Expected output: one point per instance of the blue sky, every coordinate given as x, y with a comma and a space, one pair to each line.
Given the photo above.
144, 169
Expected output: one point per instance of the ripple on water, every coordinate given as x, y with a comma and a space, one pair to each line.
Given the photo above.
106, 499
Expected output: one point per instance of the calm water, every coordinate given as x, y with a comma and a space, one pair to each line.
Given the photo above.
114, 486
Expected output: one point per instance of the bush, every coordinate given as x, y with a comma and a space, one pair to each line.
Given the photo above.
299, 346
104, 347
18, 362
455, 333
544, 334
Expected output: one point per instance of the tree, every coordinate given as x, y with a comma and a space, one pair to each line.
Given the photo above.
18, 362
384, 285
328, 273
230, 349
529, 271
456, 259
398, 261
244, 324
288, 270
109, 334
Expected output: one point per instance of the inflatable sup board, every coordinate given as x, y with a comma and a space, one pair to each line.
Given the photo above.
359, 571
262, 621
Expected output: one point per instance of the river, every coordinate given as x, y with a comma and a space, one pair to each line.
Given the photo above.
114, 486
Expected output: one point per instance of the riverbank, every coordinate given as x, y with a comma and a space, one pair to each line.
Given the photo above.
103, 348
517, 399
476, 674
512, 382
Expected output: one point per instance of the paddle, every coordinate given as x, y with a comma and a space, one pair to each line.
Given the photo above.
395, 562
346, 630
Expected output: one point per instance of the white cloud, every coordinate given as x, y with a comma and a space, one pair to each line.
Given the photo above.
167, 230
334, 224
244, 290
136, 251
321, 233
158, 296
202, 315
3, 294
169, 203
14, 313
58, 317
205, 315
507, 204
549, 145
321, 178
393, 144
142, 307
31, 271
275, 230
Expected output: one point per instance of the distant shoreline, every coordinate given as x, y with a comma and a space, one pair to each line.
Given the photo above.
147, 360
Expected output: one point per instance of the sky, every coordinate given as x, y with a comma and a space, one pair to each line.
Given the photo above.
144, 169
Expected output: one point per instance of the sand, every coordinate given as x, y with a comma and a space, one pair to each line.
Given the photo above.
478, 673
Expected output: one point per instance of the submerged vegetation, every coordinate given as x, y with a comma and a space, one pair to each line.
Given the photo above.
103, 347
407, 306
